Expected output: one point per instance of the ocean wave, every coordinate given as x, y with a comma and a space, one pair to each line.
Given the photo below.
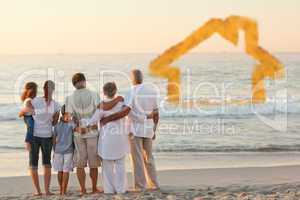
9, 112
212, 108
229, 149
231, 111
199, 149
5, 147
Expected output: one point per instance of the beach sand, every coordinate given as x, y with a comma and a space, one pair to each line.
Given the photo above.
224, 183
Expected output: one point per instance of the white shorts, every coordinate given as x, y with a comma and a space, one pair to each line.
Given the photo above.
63, 162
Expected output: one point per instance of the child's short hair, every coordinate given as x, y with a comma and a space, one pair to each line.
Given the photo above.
110, 89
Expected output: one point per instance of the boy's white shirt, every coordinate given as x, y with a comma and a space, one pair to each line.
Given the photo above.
113, 137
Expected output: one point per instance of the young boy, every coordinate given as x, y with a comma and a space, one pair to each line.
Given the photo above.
113, 145
63, 149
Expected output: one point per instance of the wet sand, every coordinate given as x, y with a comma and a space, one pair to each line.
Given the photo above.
224, 183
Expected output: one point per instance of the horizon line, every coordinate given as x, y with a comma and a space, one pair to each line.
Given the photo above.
124, 53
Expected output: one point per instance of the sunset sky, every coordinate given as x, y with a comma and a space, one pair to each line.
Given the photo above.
136, 26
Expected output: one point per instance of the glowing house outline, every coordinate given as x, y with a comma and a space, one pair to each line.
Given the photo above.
268, 65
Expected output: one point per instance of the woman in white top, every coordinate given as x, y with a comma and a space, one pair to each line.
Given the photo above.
46, 112
113, 145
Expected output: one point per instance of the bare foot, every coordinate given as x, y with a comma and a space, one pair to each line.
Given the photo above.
137, 190
154, 189
131, 190
49, 193
95, 191
83, 192
37, 194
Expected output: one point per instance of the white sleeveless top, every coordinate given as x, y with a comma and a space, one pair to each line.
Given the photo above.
43, 116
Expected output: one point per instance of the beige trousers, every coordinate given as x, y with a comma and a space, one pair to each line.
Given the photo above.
144, 170
86, 152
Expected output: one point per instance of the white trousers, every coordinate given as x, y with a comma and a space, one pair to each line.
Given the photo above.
114, 176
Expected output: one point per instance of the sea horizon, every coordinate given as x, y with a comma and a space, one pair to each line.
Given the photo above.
213, 128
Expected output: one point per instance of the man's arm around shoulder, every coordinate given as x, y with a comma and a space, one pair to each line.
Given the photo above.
116, 116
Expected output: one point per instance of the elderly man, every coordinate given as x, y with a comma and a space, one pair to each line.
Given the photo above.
82, 105
142, 99
142, 109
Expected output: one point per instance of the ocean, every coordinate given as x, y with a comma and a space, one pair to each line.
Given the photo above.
211, 127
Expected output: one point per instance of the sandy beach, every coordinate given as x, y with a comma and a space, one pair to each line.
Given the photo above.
224, 183
197, 99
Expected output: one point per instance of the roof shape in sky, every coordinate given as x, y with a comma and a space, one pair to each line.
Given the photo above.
267, 67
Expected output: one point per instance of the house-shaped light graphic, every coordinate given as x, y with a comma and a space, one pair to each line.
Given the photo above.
268, 66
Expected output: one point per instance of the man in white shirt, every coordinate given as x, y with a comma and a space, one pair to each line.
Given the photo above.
142, 109
142, 99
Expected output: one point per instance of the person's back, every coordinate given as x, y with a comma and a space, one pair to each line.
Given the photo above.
30, 91
43, 116
142, 100
82, 104
145, 97
113, 139
63, 131
63, 149
113, 144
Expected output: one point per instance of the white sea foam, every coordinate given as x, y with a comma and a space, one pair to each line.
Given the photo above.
232, 110
10, 111
271, 107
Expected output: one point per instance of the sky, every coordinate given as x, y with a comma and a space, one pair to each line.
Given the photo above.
137, 26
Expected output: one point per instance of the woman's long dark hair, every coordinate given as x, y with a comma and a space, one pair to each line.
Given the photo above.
30, 91
49, 87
